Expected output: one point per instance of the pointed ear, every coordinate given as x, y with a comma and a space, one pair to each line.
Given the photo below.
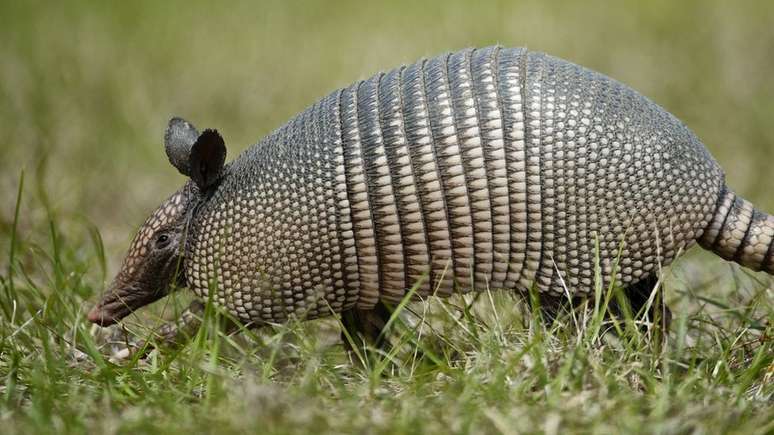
178, 141
208, 155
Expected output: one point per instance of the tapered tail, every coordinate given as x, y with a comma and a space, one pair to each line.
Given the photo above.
740, 233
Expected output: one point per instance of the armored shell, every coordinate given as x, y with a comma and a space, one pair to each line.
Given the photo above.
491, 168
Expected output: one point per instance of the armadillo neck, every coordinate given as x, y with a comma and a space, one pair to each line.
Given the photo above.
741, 233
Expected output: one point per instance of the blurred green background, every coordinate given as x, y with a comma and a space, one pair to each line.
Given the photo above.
86, 88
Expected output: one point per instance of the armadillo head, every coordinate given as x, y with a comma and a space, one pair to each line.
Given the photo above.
154, 263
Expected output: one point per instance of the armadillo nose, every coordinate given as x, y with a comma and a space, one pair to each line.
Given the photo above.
100, 317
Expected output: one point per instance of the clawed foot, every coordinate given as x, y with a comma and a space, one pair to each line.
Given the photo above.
123, 346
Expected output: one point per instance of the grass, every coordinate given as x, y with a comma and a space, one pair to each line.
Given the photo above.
479, 364
85, 90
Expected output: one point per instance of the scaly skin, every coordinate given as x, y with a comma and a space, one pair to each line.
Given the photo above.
492, 168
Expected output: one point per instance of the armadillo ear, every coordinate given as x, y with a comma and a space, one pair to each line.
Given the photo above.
178, 140
208, 155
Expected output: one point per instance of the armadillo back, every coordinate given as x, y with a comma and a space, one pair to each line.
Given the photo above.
491, 168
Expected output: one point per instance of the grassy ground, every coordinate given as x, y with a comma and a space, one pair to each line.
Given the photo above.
86, 89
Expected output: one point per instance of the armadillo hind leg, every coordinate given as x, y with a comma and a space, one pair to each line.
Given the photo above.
638, 297
364, 329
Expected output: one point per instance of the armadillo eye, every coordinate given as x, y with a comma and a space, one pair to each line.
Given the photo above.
162, 241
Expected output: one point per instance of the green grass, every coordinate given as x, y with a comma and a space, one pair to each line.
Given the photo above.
85, 91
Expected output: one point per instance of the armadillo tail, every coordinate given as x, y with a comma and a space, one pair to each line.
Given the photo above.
740, 233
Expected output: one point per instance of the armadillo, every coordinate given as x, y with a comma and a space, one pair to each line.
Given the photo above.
493, 168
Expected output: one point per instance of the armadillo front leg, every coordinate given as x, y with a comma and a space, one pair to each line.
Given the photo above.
171, 334
179, 331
